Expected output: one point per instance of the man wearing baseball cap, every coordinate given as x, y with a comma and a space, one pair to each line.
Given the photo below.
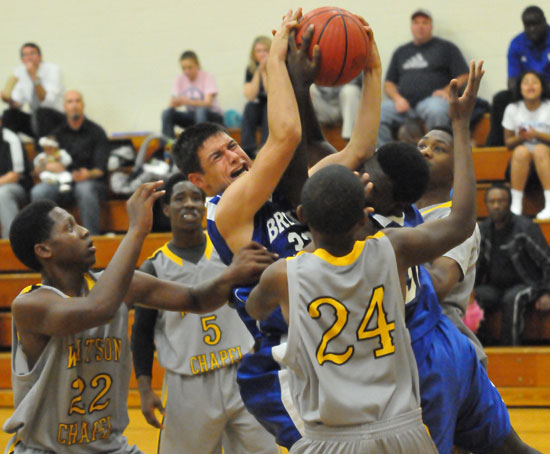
418, 78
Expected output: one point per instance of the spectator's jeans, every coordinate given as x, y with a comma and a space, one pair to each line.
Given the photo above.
88, 195
254, 116
511, 302
434, 111
172, 117
12, 197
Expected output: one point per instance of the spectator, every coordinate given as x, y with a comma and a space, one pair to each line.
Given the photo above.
86, 142
51, 164
513, 269
335, 104
255, 86
417, 81
528, 51
39, 85
197, 91
14, 178
527, 132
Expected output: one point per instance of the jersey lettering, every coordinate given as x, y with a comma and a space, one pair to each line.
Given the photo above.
215, 360
94, 349
83, 432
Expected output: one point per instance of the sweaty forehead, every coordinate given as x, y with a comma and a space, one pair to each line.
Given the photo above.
186, 187
440, 136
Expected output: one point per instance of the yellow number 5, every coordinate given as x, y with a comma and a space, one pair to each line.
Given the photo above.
206, 325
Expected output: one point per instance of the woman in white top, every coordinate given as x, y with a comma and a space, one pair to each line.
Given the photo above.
526, 125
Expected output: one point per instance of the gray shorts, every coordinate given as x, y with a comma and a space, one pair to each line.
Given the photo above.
204, 412
404, 434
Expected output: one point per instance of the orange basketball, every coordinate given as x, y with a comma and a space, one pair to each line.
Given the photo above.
343, 42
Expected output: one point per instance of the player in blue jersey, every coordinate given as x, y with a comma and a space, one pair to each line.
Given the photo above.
246, 204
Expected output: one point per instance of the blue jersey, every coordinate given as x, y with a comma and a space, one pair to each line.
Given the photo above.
276, 228
459, 403
258, 375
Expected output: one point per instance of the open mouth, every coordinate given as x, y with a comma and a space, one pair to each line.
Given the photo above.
239, 171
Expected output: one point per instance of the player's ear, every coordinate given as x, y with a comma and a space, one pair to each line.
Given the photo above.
197, 179
42, 251
166, 210
300, 214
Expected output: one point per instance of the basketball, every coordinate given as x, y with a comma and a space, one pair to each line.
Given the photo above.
343, 42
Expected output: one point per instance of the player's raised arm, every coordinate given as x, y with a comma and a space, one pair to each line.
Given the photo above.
362, 143
246, 268
45, 312
432, 239
244, 197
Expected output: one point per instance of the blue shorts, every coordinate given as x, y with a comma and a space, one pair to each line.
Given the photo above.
460, 405
258, 380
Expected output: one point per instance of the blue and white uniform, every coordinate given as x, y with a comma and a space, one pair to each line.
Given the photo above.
261, 381
459, 403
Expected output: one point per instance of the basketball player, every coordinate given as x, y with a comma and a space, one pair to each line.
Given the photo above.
245, 204
363, 377
453, 274
200, 353
70, 353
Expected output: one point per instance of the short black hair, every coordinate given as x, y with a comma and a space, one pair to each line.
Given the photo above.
191, 55
33, 45
532, 10
501, 186
31, 226
516, 95
333, 200
173, 181
407, 169
444, 128
185, 151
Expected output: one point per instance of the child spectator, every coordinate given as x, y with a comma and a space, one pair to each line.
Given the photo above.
526, 125
51, 164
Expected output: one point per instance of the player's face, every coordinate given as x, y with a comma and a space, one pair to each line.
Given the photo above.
498, 204
70, 243
186, 208
261, 52
30, 55
437, 147
535, 27
381, 196
222, 161
531, 88
421, 29
190, 68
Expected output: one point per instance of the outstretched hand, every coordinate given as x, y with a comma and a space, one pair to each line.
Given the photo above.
250, 262
461, 108
373, 62
301, 68
140, 206
279, 45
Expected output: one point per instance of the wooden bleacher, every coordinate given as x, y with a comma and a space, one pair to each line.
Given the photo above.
521, 374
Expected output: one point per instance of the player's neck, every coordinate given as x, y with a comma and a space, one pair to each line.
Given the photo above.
71, 283
187, 239
433, 196
336, 246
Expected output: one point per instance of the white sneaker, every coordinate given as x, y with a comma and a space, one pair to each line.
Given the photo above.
517, 208
544, 214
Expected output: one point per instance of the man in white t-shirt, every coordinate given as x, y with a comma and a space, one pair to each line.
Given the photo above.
38, 85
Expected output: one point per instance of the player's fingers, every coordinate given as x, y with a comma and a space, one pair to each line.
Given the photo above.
316, 56
453, 90
158, 194
292, 41
306, 38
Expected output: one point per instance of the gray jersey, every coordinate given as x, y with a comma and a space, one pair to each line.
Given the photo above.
191, 344
465, 255
74, 399
348, 348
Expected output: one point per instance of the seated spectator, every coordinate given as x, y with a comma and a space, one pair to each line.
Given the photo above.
197, 92
38, 85
51, 164
411, 131
528, 51
417, 81
14, 178
86, 143
255, 91
527, 132
513, 269
338, 104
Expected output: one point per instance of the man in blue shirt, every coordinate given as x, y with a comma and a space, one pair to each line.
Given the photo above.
530, 50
